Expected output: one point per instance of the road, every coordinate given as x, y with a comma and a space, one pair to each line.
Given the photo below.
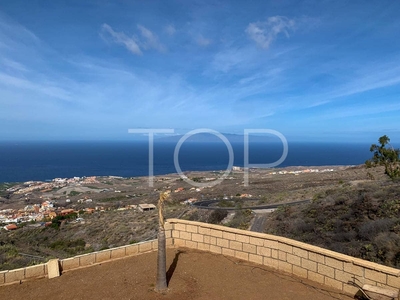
259, 219
205, 204
259, 222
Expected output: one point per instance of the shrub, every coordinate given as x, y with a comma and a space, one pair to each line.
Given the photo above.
372, 228
69, 246
217, 216
241, 219
226, 203
74, 193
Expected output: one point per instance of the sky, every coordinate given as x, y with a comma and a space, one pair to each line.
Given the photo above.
91, 70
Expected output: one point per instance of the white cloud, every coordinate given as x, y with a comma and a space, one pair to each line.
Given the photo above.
24, 68
359, 78
349, 109
226, 60
170, 30
242, 62
12, 64
370, 78
264, 33
47, 88
150, 39
121, 38
12, 31
202, 41
134, 44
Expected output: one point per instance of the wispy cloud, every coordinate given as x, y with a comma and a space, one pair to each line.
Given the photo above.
11, 32
11, 64
170, 29
22, 63
231, 58
202, 41
265, 33
134, 44
131, 43
370, 78
359, 79
48, 89
350, 110
150, 40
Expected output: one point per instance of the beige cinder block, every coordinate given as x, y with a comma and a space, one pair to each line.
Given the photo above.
53, 268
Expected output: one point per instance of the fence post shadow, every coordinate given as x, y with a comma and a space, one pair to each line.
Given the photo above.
172, 267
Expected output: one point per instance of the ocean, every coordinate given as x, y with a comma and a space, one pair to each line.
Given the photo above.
24, 161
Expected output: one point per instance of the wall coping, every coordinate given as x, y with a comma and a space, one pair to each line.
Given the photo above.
342, 257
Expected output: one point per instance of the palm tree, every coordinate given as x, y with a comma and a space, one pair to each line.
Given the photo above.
161, 284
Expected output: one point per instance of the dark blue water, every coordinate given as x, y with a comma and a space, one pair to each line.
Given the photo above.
23, 161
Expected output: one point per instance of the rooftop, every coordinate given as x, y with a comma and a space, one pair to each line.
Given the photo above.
202, 275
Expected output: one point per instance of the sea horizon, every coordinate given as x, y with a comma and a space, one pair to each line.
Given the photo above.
22, 161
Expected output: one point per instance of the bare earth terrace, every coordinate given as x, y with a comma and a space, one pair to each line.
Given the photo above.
205, 262
192, 274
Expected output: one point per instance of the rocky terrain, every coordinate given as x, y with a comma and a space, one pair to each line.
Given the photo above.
106, 213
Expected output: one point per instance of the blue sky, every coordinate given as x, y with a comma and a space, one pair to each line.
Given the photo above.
313, 70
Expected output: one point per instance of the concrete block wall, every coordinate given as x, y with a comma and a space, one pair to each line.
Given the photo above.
22, 274
303, 260
93, 258
306, 261
85, 260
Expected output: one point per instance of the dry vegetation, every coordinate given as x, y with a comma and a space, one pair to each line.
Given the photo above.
354, 211
361, 221
100, 230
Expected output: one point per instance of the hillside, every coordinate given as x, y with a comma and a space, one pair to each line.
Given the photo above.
97, 231
354, 210
360, 219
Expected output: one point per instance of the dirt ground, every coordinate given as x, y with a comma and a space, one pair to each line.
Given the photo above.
192, 275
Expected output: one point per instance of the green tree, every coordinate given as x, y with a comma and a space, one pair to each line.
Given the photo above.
385, 155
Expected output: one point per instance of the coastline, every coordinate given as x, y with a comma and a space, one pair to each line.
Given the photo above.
274, 169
